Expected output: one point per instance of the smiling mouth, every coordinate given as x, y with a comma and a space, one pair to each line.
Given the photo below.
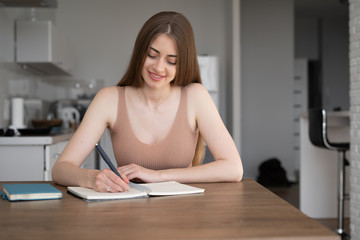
155, 76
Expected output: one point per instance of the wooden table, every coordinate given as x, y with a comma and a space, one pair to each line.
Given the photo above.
244, 210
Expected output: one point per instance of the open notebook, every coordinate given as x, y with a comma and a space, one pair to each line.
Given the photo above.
137, 191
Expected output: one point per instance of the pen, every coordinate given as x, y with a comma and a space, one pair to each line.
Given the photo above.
109, 163
106, 159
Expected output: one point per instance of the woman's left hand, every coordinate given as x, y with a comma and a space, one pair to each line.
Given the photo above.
133, 171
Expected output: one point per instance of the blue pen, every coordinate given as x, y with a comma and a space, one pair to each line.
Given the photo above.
112, 167
106, 159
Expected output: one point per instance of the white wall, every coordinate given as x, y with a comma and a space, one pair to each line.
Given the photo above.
267, 82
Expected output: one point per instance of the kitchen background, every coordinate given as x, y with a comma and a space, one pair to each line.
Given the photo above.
100, 34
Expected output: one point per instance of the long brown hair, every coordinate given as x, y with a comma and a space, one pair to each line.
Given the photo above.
179, 28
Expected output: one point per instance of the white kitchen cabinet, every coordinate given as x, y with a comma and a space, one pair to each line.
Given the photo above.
52, 153
32, 158
29, 162
22, 163
300, 104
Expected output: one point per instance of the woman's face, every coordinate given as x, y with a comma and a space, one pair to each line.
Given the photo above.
160, 64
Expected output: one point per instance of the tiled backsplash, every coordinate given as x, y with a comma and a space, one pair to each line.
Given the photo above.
8, 74
13, 83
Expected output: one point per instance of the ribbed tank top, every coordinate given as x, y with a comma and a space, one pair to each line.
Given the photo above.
175, 151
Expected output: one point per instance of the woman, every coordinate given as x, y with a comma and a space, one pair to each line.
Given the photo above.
158, 115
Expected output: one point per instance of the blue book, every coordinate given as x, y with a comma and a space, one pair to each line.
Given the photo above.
30, 191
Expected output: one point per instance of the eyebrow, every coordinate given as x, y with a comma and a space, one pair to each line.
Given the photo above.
157, 51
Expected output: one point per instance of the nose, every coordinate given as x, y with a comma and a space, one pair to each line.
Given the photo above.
160, 65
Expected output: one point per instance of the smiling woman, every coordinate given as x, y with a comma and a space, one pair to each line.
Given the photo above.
158, 116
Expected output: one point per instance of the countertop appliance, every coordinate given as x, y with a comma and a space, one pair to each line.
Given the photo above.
71, 111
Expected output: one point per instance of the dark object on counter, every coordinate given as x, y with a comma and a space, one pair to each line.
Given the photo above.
9, 132
2, 132
43, 123
272, 174
34, 131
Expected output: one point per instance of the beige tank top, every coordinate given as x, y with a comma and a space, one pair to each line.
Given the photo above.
175, 151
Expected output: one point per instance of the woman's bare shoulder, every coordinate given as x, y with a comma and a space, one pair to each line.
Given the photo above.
196, 89
104, 105
105, 99
108, 91
197, 93
107, 95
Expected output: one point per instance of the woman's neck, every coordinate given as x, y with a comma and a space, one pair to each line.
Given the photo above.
154, 98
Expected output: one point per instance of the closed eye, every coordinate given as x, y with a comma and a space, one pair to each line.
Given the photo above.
171, 62
154, 53
151, 56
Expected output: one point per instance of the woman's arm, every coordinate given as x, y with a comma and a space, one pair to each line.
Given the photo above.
203, 115
66, 171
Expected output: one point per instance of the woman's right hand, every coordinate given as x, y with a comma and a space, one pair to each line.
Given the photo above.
107, 181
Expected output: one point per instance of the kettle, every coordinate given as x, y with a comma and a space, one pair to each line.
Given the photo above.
70, 116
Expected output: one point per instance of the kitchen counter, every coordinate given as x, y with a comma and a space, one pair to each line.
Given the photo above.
35, 140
